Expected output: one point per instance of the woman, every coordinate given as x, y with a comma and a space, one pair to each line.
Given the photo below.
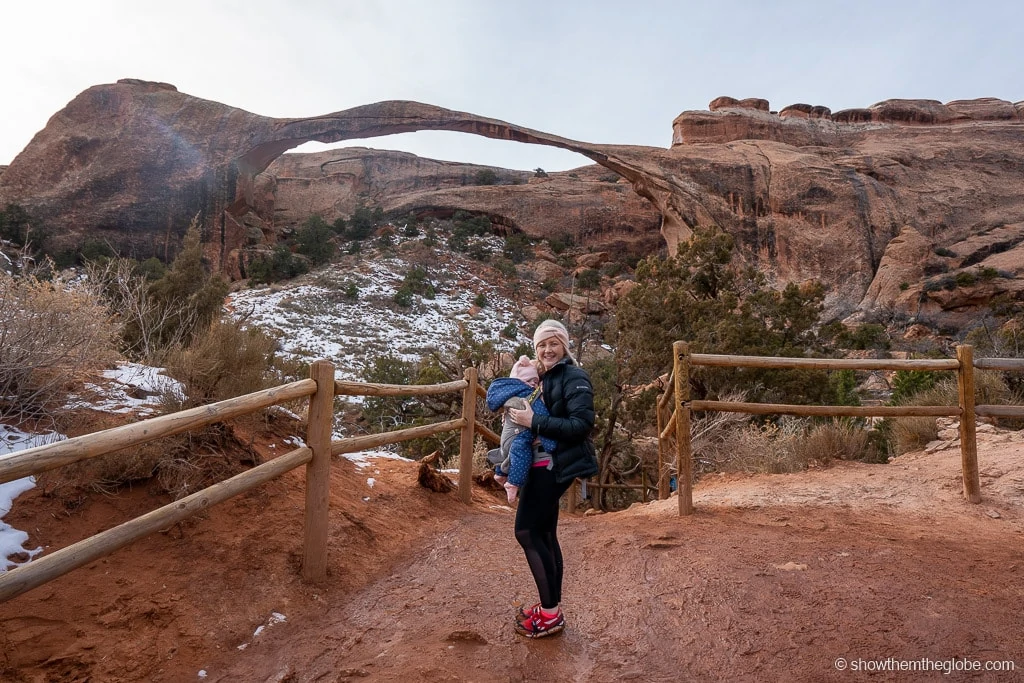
569, 397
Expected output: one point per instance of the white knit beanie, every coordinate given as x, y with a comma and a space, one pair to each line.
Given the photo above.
552, 328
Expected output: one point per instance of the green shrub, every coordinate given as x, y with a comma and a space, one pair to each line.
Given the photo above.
94, 249
943, 251
560, 243
965, 279
517, 247
510, 331
458, 242
281, 265
907, 383
418, 281
471, 226
844, 388
314, 240
904, 286
611, 269
430, 237
865, 336
479, 251
157, 315
588, 279
363, 222
480, 300
485, 176
151, 269
506, 268
403, 297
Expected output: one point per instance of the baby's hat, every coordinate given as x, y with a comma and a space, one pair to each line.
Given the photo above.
525, 370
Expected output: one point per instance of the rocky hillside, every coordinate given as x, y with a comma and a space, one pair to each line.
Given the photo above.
807, 193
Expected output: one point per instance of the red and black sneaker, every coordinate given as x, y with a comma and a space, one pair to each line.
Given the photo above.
527, 612
540, 625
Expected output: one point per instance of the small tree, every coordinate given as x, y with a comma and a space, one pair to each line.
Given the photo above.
363, 221
160, 314
485, 176
314, 240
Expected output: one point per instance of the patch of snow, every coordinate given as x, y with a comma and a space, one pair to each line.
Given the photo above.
370, 482
274, 618
132, 388
12, 540
362, 458
313, 319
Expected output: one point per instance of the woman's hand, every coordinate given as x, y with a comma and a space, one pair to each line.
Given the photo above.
524, 417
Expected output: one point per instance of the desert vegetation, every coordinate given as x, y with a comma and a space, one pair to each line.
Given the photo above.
171, 316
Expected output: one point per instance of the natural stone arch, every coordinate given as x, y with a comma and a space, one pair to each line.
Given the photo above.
398, 116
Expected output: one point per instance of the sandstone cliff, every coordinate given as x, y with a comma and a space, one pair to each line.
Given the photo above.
807, 193
585, 203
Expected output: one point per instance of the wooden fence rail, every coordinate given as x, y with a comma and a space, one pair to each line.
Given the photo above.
316, 455
677, 422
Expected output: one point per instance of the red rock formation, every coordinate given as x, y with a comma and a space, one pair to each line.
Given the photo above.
585, 203
813, 197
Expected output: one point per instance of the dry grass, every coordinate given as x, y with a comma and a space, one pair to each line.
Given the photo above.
227, 360
224, 362
791, 445
50, 334
835, 440
914, 433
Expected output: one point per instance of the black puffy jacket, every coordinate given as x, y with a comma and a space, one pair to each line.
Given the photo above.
569, 397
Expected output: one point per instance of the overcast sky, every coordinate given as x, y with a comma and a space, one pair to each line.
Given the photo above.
589, 70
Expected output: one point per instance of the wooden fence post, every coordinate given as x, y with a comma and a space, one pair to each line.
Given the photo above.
466, 443
684, 454
968, 436
319, 419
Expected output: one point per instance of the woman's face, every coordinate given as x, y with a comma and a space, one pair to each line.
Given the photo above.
550, 351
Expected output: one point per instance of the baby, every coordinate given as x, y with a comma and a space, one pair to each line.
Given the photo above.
515, 456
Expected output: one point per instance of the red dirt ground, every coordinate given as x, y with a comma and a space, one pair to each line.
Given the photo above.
774, 578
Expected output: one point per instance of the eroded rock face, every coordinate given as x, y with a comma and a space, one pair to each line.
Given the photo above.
809, 195
585, 203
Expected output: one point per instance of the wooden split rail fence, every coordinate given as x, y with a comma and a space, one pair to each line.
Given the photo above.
674, 423
321, 388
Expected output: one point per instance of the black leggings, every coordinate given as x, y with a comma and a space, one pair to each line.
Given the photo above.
536, 531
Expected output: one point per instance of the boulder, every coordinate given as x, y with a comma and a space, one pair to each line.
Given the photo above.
593, 260
562, 301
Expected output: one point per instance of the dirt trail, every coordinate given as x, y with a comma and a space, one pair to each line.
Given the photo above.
774, 578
